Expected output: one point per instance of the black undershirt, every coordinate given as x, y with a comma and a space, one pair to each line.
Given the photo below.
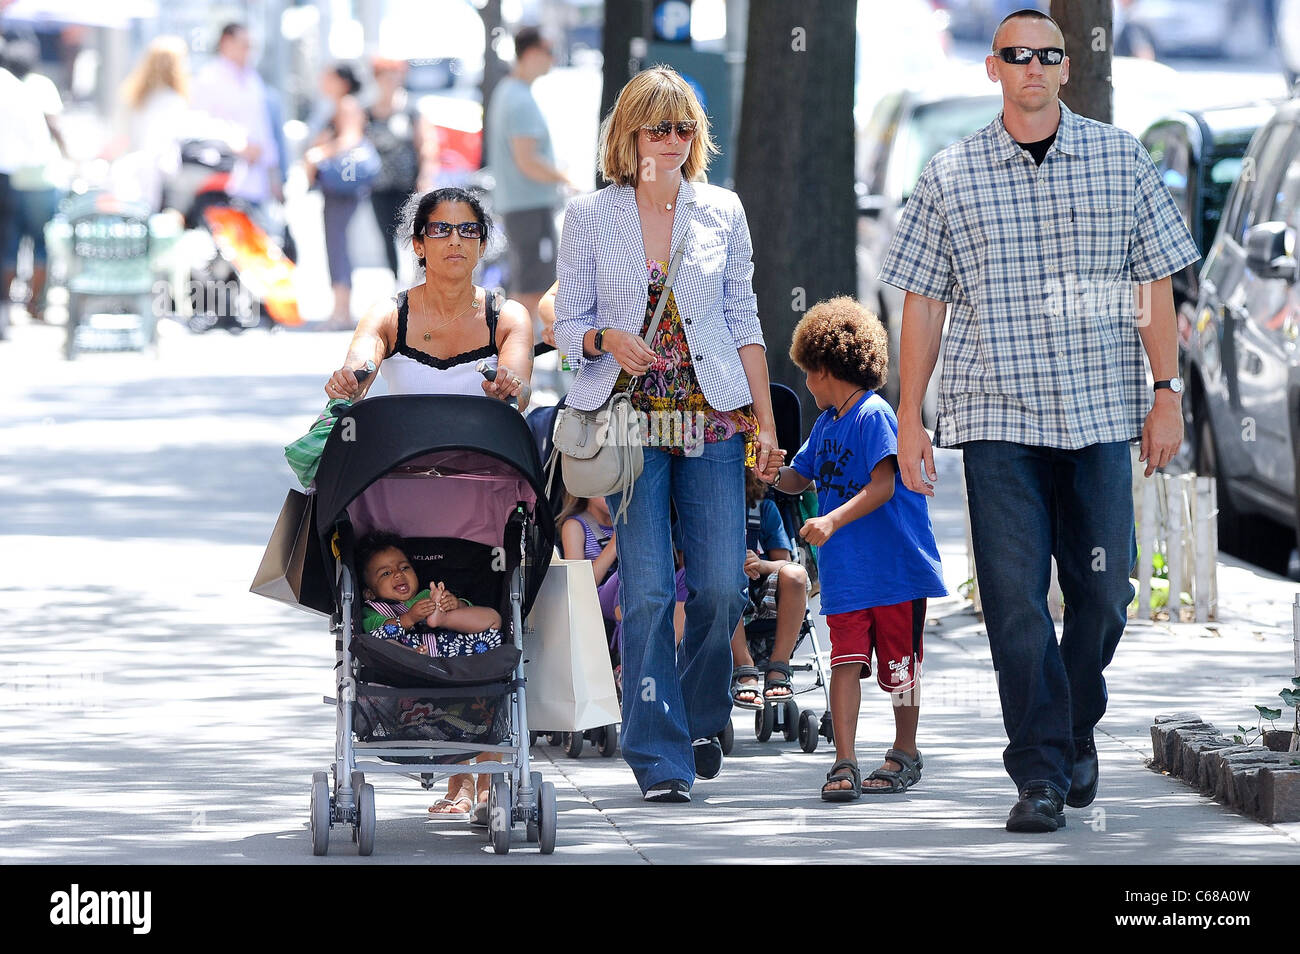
1038, 149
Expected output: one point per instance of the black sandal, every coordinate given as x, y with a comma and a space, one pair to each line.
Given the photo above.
900, 780
837, 774
780, 682
737, 687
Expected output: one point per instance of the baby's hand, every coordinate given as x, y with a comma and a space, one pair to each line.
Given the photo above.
424, 607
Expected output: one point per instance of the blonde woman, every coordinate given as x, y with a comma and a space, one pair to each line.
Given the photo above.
702, 384
156, 95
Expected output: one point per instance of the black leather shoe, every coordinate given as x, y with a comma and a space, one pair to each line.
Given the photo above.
1040, 809
708, 757
1083, 781
672, 791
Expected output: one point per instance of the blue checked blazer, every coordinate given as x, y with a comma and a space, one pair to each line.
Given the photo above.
604, 284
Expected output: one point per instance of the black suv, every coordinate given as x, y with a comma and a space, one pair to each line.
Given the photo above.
1242, 354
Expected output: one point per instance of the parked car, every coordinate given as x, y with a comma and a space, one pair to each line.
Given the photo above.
1242, 361
1214, 28
1199, 154
906, 129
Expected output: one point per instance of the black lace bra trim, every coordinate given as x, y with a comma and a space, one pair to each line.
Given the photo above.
445, 364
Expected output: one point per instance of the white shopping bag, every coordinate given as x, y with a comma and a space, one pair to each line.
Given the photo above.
566, 655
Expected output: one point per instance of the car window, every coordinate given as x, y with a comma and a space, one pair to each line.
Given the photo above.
934, 126
1269, 170
1223, 167
1243, 190
1286, 196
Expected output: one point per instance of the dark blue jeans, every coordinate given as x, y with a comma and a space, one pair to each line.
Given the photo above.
673, 695
1028, 504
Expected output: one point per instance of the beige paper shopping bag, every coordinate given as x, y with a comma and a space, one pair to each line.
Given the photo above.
566, 655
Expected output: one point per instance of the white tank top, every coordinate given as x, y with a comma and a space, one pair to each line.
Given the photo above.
408, 370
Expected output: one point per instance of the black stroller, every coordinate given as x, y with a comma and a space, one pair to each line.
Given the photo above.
460, 479
759, 635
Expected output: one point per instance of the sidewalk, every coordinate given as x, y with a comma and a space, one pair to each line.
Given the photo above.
151, 710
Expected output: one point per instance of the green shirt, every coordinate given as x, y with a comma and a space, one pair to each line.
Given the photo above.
376, 616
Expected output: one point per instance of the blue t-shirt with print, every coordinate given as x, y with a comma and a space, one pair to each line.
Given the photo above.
764, 531
889, 556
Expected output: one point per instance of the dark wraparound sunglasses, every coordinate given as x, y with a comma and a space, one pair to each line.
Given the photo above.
659, 132
469, 230
1021, 55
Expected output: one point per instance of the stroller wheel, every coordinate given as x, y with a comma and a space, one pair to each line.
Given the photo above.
727, 738
320, 813
530, 826
573, 744
764, 722
808, 730
365, 795
608, 744
555, 738
532, 738
499, 815
546, 818
790, 722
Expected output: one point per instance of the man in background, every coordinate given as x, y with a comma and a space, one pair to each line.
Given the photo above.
523, 164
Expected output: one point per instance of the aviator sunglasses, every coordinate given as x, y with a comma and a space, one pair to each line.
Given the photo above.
1022, 55
438, 230
659, 132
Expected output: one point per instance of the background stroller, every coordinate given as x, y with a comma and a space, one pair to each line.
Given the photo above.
459, 478
108, 251
785, 714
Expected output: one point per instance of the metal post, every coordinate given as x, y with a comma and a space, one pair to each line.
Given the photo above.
1295, 648
1174, 554
1147, 544
1202, 515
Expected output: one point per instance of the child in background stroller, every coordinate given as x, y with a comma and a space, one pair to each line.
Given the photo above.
462, 478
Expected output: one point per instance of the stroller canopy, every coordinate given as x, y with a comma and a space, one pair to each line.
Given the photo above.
435, 466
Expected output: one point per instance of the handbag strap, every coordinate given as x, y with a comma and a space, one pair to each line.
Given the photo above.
661, 304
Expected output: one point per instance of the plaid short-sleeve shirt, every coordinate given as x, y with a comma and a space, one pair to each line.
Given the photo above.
1040, 264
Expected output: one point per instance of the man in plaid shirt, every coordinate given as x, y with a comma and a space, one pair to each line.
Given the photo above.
1053, 239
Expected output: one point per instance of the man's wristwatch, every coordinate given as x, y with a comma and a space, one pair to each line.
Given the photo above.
599, 341
1173, 384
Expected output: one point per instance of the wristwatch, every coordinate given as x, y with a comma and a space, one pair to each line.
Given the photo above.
1173, 384
599, 340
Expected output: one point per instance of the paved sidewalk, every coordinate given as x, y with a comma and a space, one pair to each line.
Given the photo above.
151, 710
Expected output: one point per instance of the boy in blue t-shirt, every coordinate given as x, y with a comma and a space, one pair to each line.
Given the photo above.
878, 558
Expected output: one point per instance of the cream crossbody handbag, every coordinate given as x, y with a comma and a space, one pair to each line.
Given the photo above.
602, 449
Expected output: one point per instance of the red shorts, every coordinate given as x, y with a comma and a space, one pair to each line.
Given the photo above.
892, 632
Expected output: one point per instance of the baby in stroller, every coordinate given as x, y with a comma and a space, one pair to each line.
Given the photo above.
431, 621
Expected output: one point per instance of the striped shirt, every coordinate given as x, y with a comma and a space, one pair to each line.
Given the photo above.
1039, 263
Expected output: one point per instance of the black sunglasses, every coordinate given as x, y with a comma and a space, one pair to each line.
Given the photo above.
659, 132
438, 230
1022, 55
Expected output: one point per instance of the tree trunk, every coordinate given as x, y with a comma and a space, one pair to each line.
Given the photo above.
625, 21
794, 167
494, 70
1088, 42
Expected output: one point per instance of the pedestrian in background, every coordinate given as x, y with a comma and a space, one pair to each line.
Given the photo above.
395, 128
1036, 229
523, 164
39, 185
706, 370
344, 131
23, 130
156, 94
229, 88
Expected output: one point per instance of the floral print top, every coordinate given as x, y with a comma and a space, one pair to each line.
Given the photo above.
669, 393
